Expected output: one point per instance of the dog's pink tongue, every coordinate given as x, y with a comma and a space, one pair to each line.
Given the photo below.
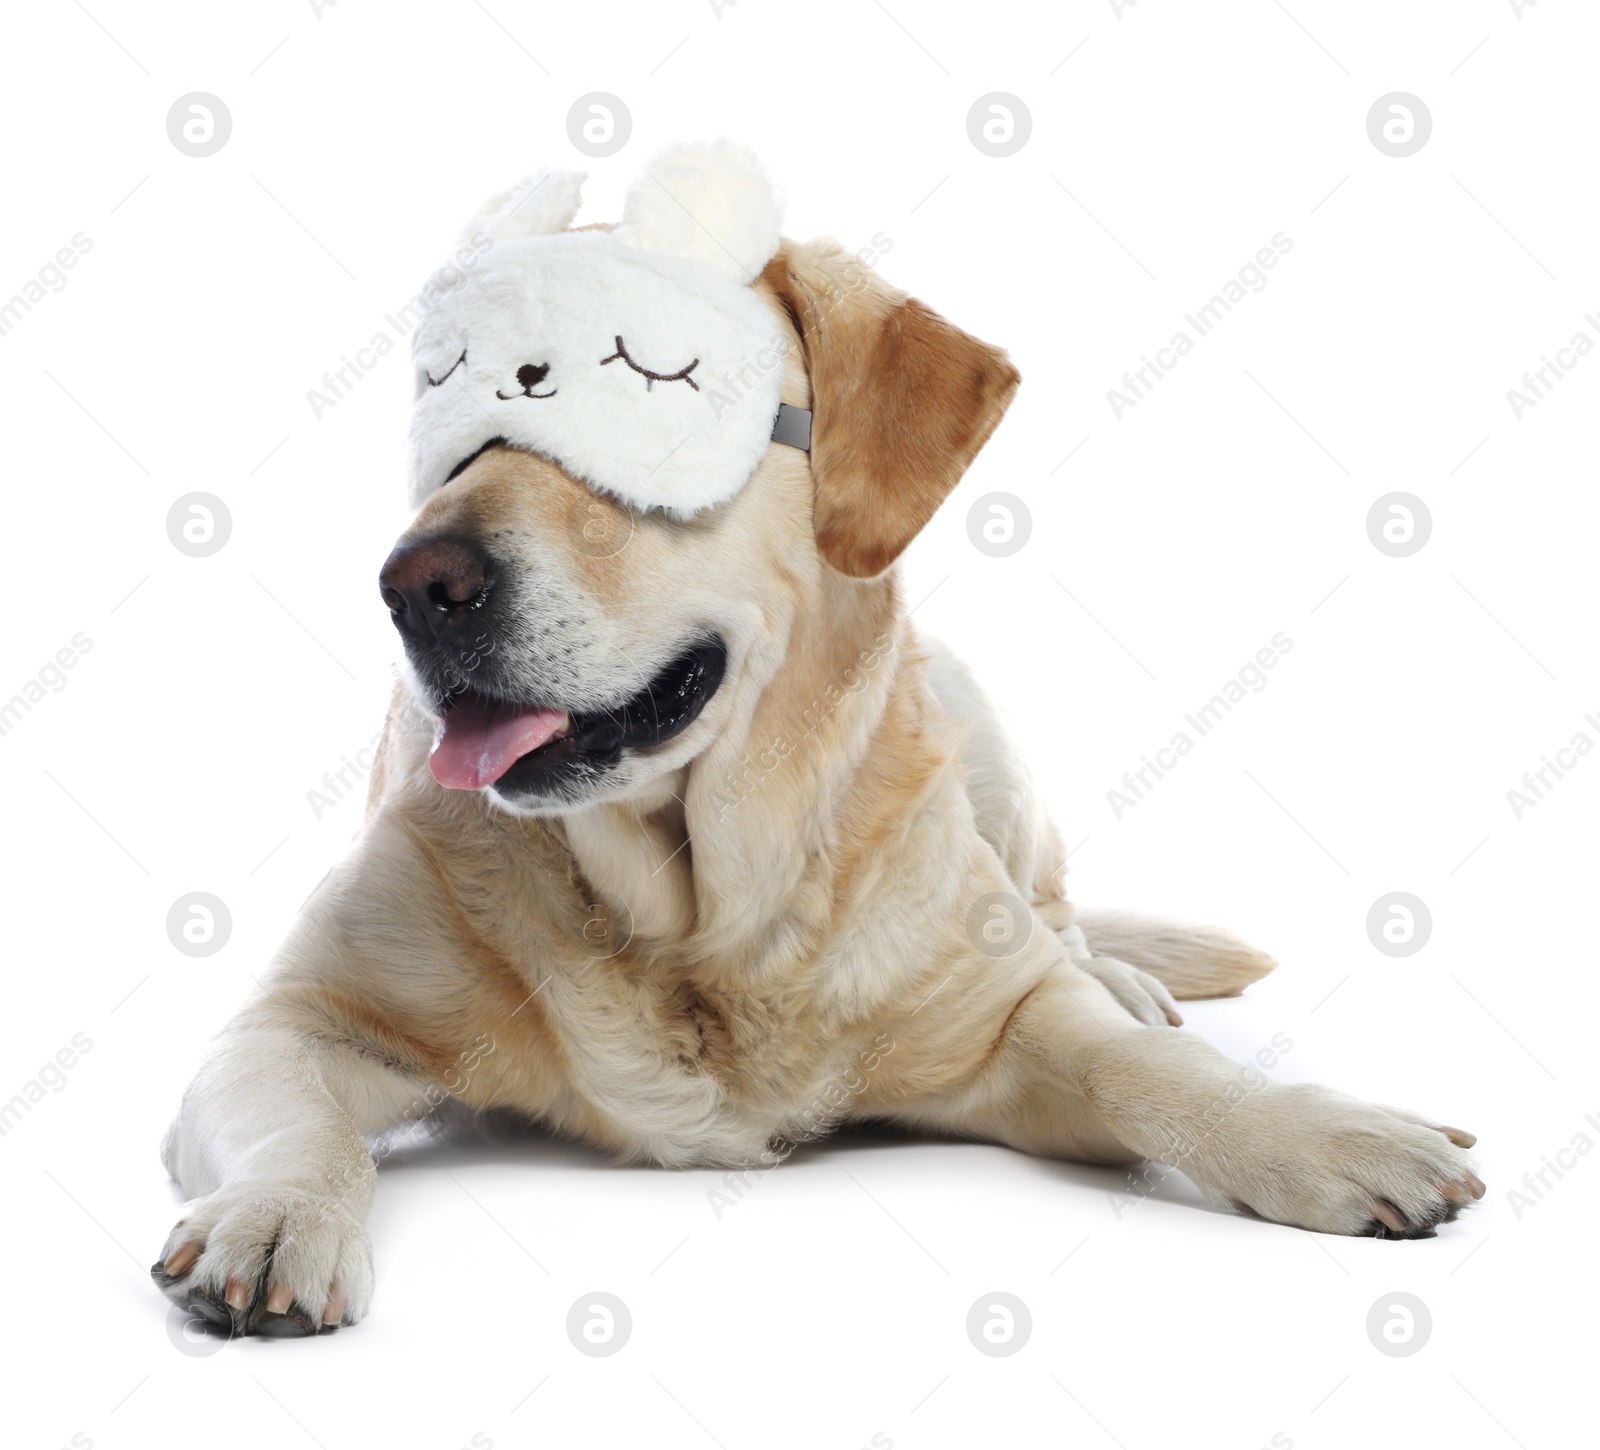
479, 741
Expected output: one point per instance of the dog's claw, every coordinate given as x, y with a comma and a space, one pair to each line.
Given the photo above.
1386, 1214
290, 1323
180, 1260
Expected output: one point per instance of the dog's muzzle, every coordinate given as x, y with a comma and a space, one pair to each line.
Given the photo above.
442, 595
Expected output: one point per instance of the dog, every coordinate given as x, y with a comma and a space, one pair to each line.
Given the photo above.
681, 840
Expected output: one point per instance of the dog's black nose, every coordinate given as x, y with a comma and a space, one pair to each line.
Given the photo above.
432, 585
530, 376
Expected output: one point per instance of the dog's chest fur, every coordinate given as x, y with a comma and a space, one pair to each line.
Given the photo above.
676, 1004
660, 1069
605, 1032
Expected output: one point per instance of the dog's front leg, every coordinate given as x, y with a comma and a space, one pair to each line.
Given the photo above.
268, 1145
1084, 1077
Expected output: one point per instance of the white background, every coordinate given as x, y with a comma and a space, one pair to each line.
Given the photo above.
1168, 145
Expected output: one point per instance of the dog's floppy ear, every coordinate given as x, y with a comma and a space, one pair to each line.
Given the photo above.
901, 402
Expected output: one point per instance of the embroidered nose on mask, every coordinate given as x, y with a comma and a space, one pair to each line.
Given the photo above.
529, 376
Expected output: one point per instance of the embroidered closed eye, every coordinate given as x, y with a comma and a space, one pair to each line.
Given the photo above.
434, 382
651, 379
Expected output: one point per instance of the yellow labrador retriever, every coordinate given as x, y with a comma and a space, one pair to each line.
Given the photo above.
682, 840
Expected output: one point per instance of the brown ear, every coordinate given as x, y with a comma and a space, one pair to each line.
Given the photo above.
901, 402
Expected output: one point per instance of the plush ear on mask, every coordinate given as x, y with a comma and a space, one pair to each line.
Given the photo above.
901, 402
543, 202
709, 201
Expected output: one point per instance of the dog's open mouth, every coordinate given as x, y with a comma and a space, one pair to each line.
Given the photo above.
482, 741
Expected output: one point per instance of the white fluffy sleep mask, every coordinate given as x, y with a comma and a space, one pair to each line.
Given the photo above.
638, 359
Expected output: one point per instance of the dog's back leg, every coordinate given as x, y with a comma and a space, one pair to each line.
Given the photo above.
1124, 950
1006, 807
1189, 961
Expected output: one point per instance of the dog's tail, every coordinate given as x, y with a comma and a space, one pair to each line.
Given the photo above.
1190, 961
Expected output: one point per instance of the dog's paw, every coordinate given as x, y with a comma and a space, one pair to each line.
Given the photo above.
268, 1259
1138, 993
1318, 1159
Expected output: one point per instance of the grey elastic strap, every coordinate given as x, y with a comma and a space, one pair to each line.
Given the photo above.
792, 426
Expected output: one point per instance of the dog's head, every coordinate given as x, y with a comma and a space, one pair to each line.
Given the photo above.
621, 530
